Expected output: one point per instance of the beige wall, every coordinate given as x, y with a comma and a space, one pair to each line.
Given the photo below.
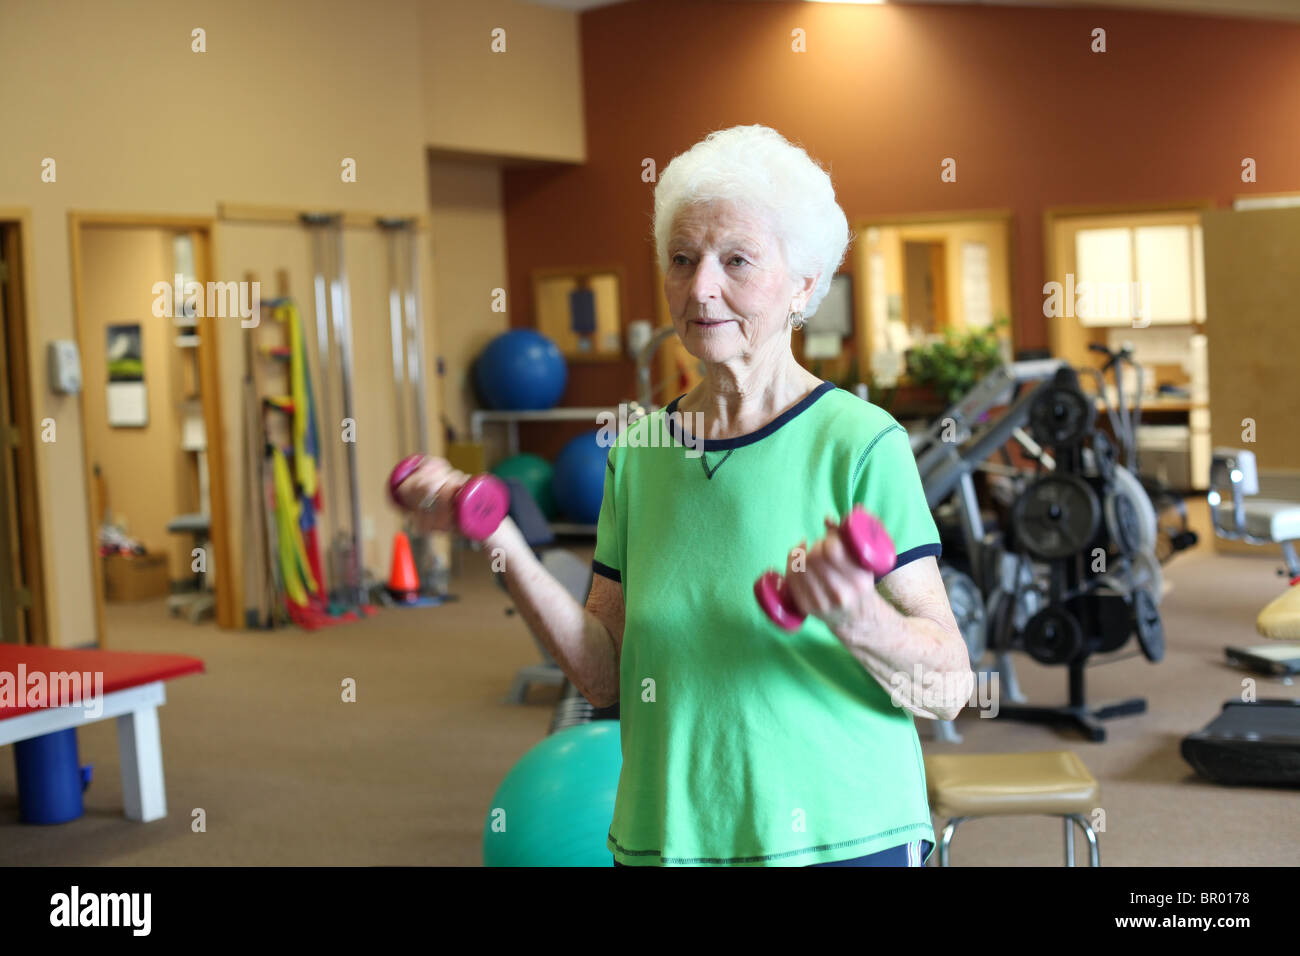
137, 122
523, 103
119, 269
467, 234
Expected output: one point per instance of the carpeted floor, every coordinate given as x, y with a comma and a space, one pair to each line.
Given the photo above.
287, 773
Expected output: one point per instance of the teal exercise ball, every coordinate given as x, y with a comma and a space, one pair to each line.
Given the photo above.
555, 805
536, 473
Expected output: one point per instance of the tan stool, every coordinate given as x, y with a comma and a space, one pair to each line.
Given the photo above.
1053, 783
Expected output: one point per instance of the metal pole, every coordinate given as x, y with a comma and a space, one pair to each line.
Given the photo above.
415, 340
328, 420
343, 332
396, 334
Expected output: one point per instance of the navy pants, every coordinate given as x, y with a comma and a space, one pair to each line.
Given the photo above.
905, 854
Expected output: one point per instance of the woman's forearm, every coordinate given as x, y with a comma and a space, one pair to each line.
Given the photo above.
580, 644
916, 659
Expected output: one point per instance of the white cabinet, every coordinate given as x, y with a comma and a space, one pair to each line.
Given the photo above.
1132, 275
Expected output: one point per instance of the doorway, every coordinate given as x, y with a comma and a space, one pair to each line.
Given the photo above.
22, 593
151, 414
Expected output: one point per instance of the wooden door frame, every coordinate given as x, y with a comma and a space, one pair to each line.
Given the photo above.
17, 253
1053, 214
225, 590
857, 255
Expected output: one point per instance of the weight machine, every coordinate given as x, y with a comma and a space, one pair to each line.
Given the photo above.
1076, 572
948, 454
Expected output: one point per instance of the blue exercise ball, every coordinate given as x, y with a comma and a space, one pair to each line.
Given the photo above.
578, 479
555, 805
520, 370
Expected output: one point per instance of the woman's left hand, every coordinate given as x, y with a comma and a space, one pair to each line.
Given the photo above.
827, 583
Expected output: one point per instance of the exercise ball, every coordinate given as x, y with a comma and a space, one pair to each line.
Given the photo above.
520, 370
555, 805
535, 473
579, 481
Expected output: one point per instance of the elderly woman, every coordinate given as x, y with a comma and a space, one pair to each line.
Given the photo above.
743, 744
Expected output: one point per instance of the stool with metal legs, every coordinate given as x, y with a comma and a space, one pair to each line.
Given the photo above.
1053, 783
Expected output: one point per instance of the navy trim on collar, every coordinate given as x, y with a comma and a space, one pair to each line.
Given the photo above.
724, 444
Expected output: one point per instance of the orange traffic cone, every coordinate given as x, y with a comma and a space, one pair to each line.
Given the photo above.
403, 581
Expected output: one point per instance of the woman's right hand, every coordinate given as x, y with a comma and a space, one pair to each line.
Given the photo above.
427, 494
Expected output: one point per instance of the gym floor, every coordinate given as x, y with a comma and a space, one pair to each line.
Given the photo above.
287, 774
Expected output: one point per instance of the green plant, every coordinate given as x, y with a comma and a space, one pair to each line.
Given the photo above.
957, 361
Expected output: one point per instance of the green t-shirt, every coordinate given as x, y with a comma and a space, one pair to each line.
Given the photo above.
744, 744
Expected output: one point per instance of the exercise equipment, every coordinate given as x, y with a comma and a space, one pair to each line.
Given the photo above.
334, 370
520, 370
1045, 591
866, 541
51, 779
403, 581
1274, 660
578, 482
479, 504
1053, 636
1254, 744
1056, 516
1256, 520
1061, 416
410, 419
1150, 628
968, 608
536, 474
555, 805
957, 445
1058, 520
130, 694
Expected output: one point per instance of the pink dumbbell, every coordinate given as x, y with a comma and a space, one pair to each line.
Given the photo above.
480, 503
867, 542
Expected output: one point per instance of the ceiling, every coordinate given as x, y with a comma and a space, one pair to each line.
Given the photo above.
1267, 9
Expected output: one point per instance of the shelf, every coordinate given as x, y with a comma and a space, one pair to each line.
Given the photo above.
546, 415
561, 527
511, 420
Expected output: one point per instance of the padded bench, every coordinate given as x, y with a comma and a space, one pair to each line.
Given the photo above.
132, 693
1051, 783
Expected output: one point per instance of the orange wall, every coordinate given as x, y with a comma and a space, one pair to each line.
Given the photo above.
1033, 118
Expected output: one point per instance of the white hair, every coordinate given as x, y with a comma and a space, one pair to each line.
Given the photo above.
759, 170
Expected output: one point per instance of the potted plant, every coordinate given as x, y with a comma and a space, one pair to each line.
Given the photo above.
956, 361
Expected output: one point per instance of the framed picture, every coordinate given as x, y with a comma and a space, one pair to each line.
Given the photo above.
581, 310
127, 400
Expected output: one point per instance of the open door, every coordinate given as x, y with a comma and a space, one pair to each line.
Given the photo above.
1252, 297
151, 412
22, 596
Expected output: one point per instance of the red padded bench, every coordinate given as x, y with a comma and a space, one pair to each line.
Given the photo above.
131, 692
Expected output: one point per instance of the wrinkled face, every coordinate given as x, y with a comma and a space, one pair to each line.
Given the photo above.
727, 286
